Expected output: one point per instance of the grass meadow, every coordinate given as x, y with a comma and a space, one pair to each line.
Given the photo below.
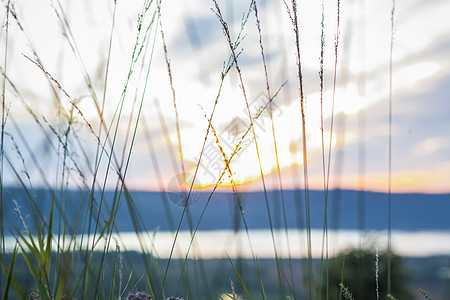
96, 104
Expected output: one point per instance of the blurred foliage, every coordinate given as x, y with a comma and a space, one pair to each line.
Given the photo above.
356, 269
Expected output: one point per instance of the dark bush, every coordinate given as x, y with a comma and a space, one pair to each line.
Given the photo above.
356, 269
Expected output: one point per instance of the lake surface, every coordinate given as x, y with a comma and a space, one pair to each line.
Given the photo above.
420, 222
219, 244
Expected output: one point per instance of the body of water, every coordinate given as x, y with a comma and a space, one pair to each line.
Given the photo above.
223, 243
146, 221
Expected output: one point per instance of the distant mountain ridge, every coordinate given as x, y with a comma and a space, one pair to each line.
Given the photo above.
347, 209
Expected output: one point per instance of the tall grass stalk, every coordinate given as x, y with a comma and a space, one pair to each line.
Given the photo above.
172, 155
391, 49
180, 148
69, 98
292, 13
258, 25
237, 148
27, 187
13, 13
133, 211
361, 132
137, 50
325, 187
135, 55
97, 154
112, 153
63, 143
169, 71
159, 178
225, 70
242, 86
67, 33
61, 236
328, 164
234, 189
2, 224
138, 46
105, 84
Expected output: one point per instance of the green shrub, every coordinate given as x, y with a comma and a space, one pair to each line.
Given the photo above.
356, 270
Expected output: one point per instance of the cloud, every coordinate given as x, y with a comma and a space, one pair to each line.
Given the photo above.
197, 50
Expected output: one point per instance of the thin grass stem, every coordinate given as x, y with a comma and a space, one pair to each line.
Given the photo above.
242, 86
2, 224
294, 20
391, 50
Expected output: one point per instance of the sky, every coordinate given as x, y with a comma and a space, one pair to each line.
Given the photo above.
71, 41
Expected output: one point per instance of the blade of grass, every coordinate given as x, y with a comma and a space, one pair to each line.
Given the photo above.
261, 284
17, 288
241, 281
113, 278
9, 273
34, 272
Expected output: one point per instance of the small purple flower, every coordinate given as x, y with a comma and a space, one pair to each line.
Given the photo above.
34, 296
139, 296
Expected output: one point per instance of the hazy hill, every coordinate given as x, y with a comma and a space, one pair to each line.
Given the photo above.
346, 210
